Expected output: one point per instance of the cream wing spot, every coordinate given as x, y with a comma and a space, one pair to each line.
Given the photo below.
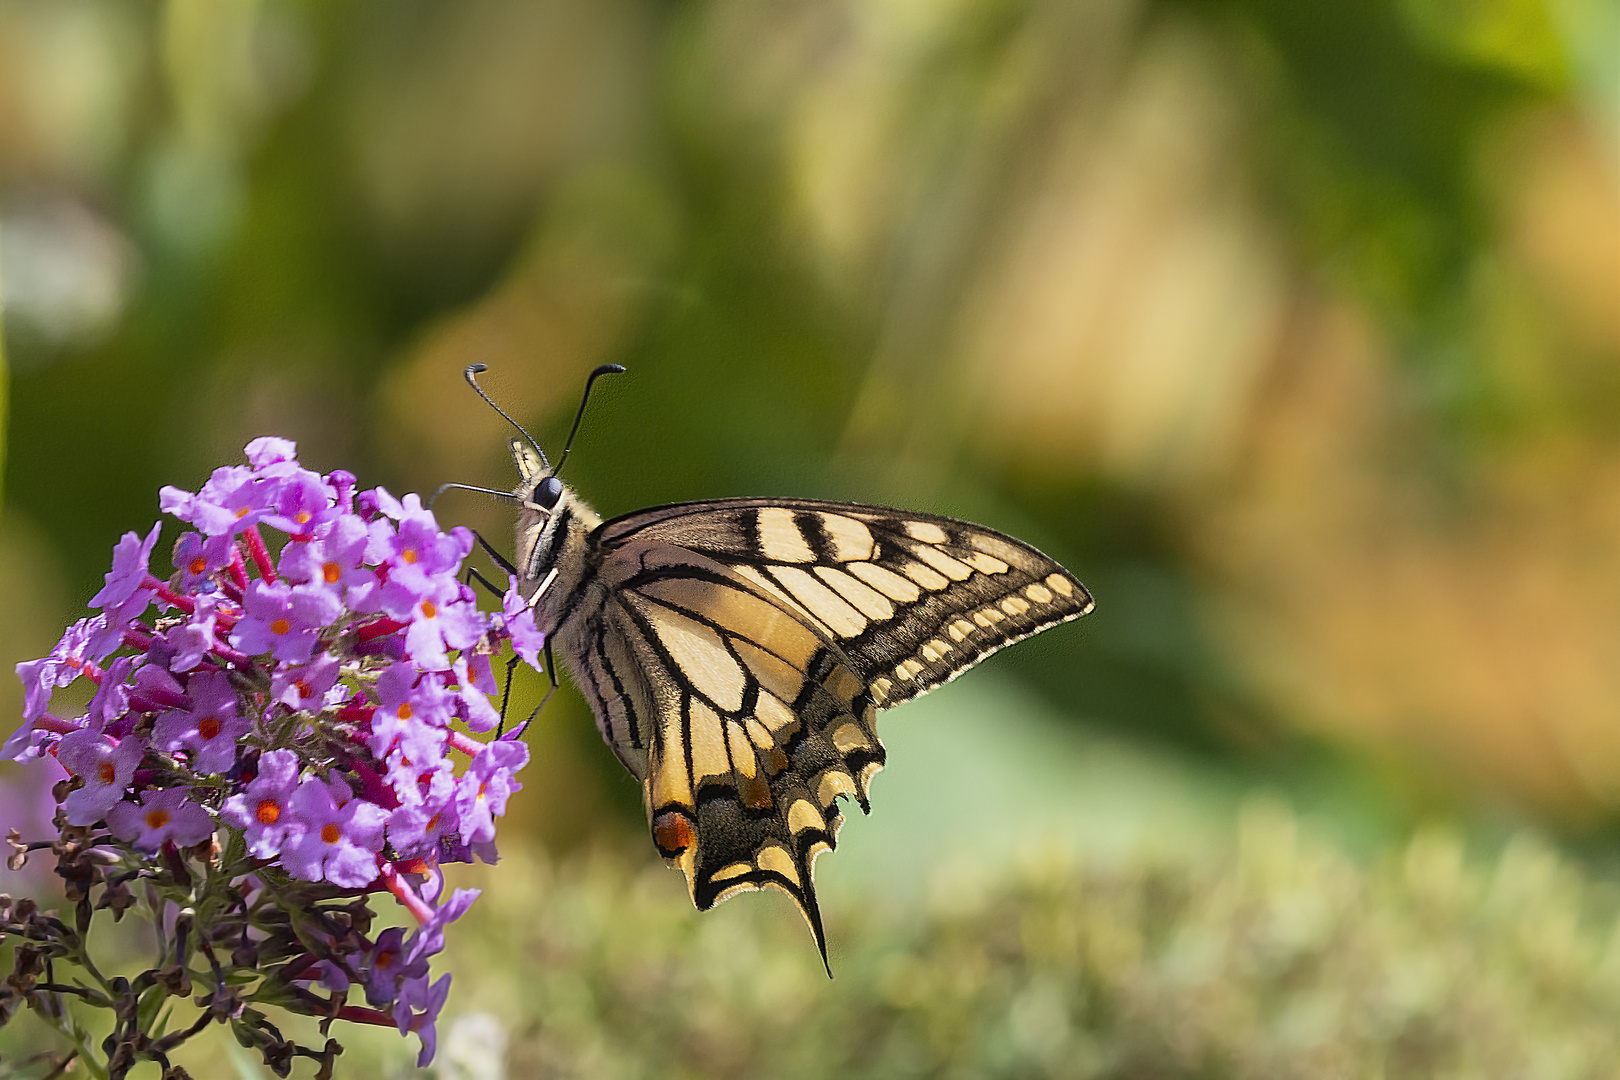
774, 857
803, 815
843, 683
907, 669
743, 757
960, 629
880, 689
926, 576
1015, 605
934, 650
1060, 584
780, 538
702, 657
669, 783
770, 671
988, 616
848, 736
833, 783
851, 539
758, 733
820, 601
753, 576
775, 716
926, 531
985, 564
865, 599
706, 741
954, 569
886, 582
1039, 593
736, 869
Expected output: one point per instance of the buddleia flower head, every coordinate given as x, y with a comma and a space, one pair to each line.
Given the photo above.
305, 685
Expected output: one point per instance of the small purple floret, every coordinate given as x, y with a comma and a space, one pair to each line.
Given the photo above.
163, 816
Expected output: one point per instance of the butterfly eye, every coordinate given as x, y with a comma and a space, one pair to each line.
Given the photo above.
547, 492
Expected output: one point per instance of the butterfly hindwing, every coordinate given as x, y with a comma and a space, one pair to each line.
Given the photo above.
743, 721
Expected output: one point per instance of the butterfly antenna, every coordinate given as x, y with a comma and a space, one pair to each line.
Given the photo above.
605, 369
503, 496
470, 374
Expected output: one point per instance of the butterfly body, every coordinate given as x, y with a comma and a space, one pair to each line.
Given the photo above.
735, 653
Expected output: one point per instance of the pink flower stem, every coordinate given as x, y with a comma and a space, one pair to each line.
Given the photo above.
359, 1014
169, 596
156, 699
238, 571
378, 628
466, 744
373, 787
47, 722
405, 894
259, 553
230, 655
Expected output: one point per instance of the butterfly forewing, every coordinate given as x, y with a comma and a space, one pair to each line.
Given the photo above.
912, 600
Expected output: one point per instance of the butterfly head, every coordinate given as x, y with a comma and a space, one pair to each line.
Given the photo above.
552, 521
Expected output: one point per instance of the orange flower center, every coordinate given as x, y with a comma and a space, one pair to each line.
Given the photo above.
281, 627
106, 773
405, 711
409, 555
197, 565
331, 833
331, 572
302, 517
209, 727
269, 811
303, 688
156, 819
429, 610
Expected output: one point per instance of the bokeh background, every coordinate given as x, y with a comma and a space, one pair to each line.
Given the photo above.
1291, 326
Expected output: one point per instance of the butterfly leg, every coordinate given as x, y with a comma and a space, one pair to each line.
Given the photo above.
506, 694
495, 556
474, 575
551, 673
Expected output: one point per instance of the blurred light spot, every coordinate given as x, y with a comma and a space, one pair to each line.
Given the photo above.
193, 192
66, 273
473, 1049
1517, 36
1139, 296
66, 76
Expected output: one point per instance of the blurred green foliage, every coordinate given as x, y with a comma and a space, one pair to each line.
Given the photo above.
1287, 324
1276, 956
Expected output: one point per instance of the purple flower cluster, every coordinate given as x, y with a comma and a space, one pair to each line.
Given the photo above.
312, 705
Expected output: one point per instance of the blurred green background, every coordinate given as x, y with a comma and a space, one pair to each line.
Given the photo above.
1290, 326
